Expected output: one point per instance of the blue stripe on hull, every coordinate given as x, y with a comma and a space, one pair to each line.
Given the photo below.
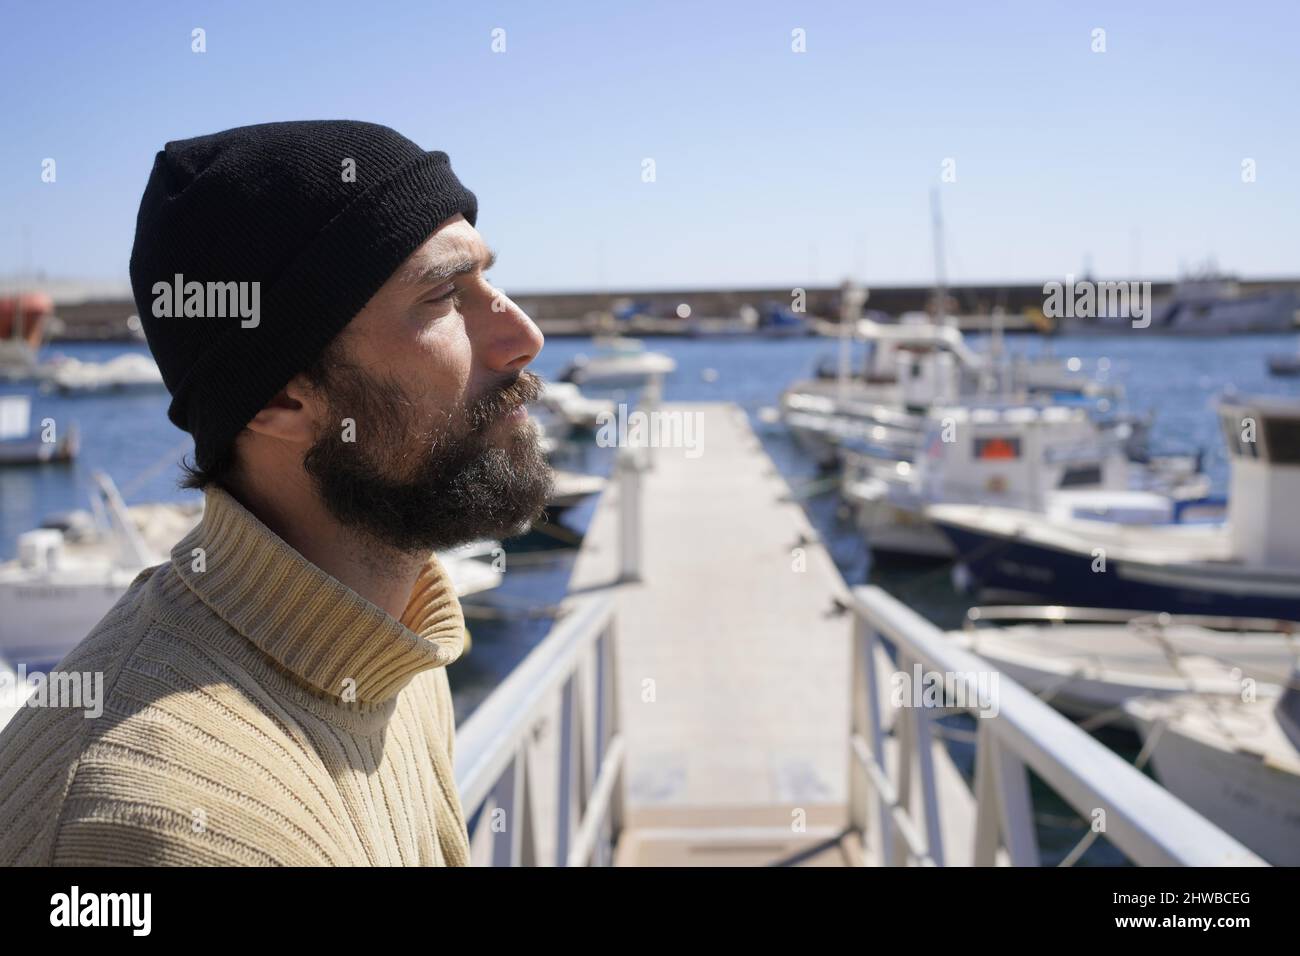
1062, 577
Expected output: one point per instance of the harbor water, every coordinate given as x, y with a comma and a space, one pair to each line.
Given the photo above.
1176, 379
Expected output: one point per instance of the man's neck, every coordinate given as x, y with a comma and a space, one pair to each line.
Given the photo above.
381, 575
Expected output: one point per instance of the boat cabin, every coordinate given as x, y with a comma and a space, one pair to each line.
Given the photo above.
1017, 456
1263, 440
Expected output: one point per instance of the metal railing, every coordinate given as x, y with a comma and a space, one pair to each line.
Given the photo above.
1052, 614
1142, 819
500, 749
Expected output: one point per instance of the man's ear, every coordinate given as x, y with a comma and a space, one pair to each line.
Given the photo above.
293, 415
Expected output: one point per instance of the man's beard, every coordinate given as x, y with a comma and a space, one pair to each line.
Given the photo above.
418, 488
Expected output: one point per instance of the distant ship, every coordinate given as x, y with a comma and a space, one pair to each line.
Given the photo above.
1207, 305
1217, 306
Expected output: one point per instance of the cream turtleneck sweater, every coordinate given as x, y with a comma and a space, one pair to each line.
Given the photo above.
256, 711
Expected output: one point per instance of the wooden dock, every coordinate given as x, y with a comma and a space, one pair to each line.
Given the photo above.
733, 658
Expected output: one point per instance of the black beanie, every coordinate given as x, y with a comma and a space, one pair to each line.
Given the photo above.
319, 213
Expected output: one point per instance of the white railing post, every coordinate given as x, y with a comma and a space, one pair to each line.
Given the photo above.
617, 806
629, 489
506, 845
1004, 809
876, 742
572, 773
859, 792
988, 814
606, 730
904, 758
929, 787
649, 401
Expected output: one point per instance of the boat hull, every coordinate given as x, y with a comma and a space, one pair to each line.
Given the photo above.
45, 621
993, 564
1255, 802
894, 531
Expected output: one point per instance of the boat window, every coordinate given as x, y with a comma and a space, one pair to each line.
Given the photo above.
997, 448
1282, 439
1081, 475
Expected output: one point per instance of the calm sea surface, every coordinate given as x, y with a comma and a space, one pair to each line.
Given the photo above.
129, 437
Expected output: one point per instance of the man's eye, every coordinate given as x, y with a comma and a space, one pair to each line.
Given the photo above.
452, 295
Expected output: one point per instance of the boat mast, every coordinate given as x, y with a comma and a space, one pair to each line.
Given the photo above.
852, 299
940, 279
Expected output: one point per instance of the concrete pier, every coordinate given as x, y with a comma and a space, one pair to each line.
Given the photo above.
733, 658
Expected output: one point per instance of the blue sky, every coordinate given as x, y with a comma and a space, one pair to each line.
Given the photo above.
773, 168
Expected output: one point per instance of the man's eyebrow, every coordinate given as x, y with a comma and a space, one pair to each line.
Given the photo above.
440, 270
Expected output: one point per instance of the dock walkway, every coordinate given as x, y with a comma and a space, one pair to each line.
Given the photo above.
705, 702
733, 660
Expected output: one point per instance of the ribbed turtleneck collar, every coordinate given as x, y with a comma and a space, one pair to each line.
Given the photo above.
313, 625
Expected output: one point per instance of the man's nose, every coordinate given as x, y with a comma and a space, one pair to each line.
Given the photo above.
510, 339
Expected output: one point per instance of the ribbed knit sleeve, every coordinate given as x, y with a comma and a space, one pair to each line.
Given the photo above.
227, 732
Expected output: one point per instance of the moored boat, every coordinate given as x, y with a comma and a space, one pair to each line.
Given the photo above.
1089, 662
619, 363
67, 575
1234, 760
1037, 458
1247, 566
20, 446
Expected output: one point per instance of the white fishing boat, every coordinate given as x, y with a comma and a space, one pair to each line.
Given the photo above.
1042, 459
619, 363
24, 322
565, 400
20, 446
474, 567
125, 372
824, 427
66, 577
1088, 662
1235, 761
12, 695
923, 362
910, 367
553, 427
1248, 566
919, 365
571, 488
129, 372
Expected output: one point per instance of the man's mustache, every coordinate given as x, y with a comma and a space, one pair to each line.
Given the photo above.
504, 398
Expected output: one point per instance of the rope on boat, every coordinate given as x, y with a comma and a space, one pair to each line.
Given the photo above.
166, 460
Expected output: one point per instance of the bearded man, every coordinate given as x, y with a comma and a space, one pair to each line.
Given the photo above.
276, 693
